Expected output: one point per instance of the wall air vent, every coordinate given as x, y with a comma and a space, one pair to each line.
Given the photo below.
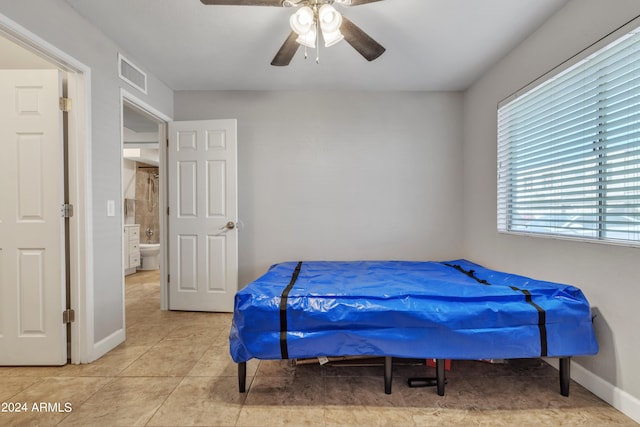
132, 74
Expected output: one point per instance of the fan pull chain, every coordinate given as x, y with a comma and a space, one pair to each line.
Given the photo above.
317, 44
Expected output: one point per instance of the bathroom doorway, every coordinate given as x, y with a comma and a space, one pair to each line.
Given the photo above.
143, 197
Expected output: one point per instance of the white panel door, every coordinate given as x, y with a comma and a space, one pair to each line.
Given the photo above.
203, 237
32, 274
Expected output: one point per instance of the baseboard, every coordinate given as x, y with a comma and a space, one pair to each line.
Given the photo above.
619, 399
107, 344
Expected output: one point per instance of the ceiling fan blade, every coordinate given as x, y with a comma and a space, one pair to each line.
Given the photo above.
287, 51
361, 41
359, 2
243, 2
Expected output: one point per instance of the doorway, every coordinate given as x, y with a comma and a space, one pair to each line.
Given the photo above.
143, 194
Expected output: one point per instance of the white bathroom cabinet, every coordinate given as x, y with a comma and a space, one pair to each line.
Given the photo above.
131, 243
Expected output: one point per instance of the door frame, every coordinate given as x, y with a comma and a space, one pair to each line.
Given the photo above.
163, 120
80, 249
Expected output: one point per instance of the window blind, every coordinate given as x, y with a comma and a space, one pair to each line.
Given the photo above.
569, 150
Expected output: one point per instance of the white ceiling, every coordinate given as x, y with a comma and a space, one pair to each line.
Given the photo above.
431, 44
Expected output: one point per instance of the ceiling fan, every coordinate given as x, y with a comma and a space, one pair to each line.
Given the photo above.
312, 18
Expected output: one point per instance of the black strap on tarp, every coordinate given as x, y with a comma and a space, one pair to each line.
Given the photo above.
542, 315
283, 312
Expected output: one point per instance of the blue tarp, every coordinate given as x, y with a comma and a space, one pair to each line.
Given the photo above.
444, 310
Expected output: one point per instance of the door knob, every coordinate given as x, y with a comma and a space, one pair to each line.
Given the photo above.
230, 225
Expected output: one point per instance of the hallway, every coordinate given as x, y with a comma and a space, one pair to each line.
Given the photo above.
174, 370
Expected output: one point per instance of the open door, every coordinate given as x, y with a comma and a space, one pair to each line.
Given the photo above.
203, 214
32, 255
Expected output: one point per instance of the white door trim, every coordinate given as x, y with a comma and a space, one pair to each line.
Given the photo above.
79, 173
128, 97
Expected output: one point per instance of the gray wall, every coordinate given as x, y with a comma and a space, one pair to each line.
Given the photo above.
607, 274
342, 175
56, 22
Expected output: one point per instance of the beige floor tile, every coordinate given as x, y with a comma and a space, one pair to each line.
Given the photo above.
509, 392
142, 291
123, 402
147, 334
51, 400
544, 417
275, 416
144, 312
29, 371
442, 417
10, 386
216, 362
361, 392
222, 340
347, 416
283, 368
458, 395
201, 401
110, 365
196, 335
218, 321
287, 391
171, 359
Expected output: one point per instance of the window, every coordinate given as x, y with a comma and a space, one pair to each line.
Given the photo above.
569, 150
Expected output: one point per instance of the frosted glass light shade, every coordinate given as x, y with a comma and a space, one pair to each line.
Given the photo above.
330, 19
308, 39
302, 21
330, 22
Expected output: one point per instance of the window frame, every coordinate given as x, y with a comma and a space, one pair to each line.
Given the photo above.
505, 217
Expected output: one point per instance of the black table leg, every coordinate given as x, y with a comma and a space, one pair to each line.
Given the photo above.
565, 375
242, 376
388, 374
440, 378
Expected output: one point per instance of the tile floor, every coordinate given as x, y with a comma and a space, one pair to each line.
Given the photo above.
174, 370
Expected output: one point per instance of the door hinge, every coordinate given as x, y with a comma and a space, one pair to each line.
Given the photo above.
167, 210
168, 278
65, 104
66, 210
68, 316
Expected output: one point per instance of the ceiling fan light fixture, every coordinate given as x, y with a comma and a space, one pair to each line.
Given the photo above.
330, 22
330, 18
303, 21
332, 38
309, 38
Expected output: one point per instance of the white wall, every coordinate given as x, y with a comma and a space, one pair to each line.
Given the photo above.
341, 175
608, 275
56, 22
